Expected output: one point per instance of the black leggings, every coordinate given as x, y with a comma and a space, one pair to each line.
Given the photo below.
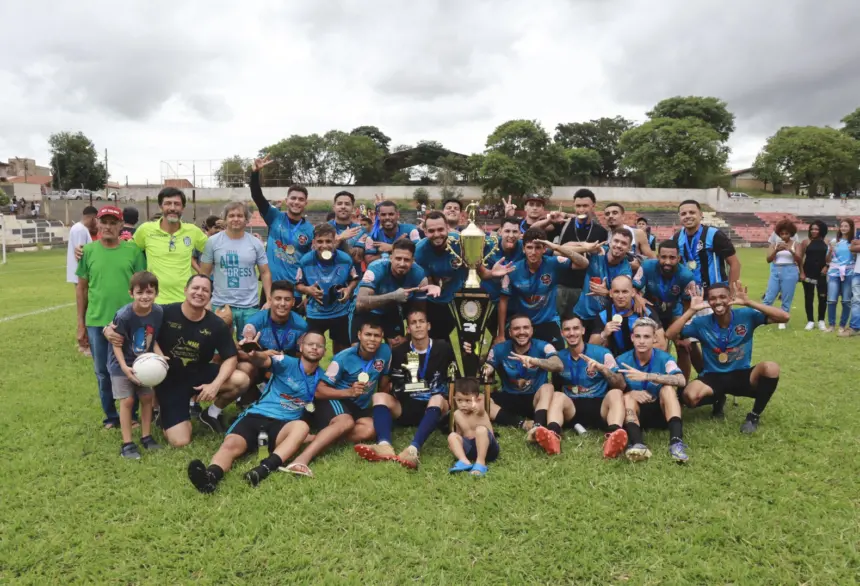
809, 297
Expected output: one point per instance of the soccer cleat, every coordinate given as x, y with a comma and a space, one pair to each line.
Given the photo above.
375, 452
810, 326
149, 443
615, 443
408, 458
751, 424
678, 451
548, 440
200, 477
256, 475
213, 423
637, 453
130, 451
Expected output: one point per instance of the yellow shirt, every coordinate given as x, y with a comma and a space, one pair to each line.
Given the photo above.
168, 256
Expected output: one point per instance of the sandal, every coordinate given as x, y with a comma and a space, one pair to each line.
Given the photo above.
298, 470
110, 425
479, 470
460, 467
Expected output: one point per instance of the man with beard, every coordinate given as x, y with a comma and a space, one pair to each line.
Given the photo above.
386, 286
279, 414
603, 268
704, 249
169, 244
379, 242
726, 337
587, 393
522, 363
509, 250
613, 214
424, 409
618, 320
347, 231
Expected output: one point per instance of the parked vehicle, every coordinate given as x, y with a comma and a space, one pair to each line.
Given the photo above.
55, 195
738, 195
78, 194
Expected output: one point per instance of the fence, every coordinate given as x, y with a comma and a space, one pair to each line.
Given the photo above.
27, 233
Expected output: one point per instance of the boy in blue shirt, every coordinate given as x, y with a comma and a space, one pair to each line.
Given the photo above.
280, 414
726, 337
651, 397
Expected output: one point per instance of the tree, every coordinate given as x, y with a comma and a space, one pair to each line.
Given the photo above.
357, 158
584, 163
421, 195
852, 124
667, 152
74, 162
711, 111
812, 156
600, 135
232, 172
373, 133
765, 169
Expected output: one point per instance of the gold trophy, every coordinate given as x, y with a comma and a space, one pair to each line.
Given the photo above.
415, 384
473, 240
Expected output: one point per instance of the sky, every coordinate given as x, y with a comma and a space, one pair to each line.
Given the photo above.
154, 81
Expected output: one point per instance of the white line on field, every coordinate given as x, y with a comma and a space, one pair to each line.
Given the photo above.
16, 271
37, 312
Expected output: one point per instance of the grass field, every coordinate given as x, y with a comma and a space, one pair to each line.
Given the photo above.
780, 507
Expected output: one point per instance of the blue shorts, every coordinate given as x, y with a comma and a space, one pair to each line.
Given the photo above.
472, 450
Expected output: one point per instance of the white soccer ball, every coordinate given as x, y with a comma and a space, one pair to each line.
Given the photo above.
150, 369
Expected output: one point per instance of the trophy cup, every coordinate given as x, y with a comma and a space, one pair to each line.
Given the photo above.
415, 384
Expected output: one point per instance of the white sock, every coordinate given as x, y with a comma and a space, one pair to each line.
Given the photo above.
214, 411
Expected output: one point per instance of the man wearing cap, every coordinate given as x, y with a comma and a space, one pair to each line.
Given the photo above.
535, 207
129, 221
104, 271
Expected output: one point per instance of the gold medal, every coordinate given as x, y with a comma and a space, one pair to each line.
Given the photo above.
290, 249
691, 265
363, 377
723, 357
326, 254
581, 217
617, 318
309, 407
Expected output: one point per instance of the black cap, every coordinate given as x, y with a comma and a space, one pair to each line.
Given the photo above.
130, 215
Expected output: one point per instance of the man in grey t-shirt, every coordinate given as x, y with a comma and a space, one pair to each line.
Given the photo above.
231, 256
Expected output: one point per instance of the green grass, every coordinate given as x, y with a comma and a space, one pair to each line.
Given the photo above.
780, 507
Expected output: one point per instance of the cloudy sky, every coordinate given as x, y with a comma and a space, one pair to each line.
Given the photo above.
153, 81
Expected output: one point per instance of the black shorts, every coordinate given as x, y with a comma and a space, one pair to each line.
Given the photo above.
327, 409
337, 328
736, 382
471, 448
174, 396
249, 426
587, 413
548, 332
441, 320
392, 324
412, 410
651, 416
522, 405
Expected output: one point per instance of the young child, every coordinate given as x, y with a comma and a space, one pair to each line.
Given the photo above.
138, 322
472, 437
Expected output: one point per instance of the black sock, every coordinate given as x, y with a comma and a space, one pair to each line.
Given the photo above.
555, 428
540, 417
765, 389
505, 418
216, 471
613, 428
676, 432
271, 463
634, 433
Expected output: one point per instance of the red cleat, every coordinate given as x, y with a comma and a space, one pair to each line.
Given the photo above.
615, 443
548, 440
375, 452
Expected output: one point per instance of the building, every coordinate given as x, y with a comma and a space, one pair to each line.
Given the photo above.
178, 183
743, 180
4, 170
19, 167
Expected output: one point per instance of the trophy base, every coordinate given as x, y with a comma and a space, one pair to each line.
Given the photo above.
471, 308
415, 388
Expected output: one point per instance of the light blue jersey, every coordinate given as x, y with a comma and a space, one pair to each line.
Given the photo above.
331, 276
599, 271
379, 279
274, 336
347, 365
666, 294
575, 380
535, 292
287, 242
516, 378
661, 363
368, 241
288, 391
735, 341
442, 266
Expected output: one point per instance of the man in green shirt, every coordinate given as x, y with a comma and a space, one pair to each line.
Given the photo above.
104, 271
169, 244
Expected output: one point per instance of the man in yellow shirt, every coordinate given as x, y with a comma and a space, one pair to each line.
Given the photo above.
169, 244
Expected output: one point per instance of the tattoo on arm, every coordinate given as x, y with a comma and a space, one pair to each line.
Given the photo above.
552, 364
370, 301
615, 379
672, 380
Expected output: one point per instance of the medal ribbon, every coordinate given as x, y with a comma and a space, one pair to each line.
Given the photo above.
619, 334
580, 366
661, 284
290, 229
425, 358
690, 251
278, 341
723, 342
310, 389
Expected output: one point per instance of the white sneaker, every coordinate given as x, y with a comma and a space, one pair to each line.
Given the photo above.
781, 326
821, 325
810, 326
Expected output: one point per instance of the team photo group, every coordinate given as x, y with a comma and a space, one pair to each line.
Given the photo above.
554, 323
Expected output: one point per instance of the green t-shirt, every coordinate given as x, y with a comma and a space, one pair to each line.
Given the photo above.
108, 271
168, 256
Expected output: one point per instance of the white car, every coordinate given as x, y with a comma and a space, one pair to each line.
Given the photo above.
79, 194
55, 195
738, 195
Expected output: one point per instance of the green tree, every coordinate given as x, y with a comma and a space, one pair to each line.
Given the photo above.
711, 111
232, 172
421, 195
74, 162
357, 159
668, 152
812, 156
372, 132
852, 124
600, 135
584, 163
765, 169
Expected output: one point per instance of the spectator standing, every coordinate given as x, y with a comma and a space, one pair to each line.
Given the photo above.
813, 273
784, 258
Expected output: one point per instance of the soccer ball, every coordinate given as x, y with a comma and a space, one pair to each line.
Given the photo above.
150, 369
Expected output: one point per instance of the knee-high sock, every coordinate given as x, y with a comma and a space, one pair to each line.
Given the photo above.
382, 423
540, 417
431, 418
634, 433
765, 389
676, 432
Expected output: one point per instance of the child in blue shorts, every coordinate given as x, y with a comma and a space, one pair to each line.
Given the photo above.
472, 437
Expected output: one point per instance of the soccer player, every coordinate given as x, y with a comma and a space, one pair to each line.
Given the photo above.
726, 337
343, 399
533, 283
510, 250
452, 209
472, 437
233, 257
424, 409
280, 414
379, 242
347, 231
704, 249
386, 286
328, 277
651, 398
602, 270
522, 364
535, 208
613, 213
587, 392
642, 224
616, 322
279, 327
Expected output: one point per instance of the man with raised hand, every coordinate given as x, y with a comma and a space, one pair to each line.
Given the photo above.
651, 396
534, 206
614, 324
387, 285
328, 277
613, 214
424, 409
347, 230
603, 267
726, 337
280, 414
388, 230
587, 393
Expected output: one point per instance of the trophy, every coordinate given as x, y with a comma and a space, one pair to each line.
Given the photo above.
415, 384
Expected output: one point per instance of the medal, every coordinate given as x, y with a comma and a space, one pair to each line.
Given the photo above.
363, 377
290, 249
326, 255
617, 318
664, 307
581, 217
309, 407
691, 265
723, 357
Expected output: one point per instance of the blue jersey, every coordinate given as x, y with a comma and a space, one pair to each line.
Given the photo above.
443, 267
274, 336
620, 341
735, 341
661, 363
535, 292
705, 253
379, 279
287, 392
287, 242
575, 380
516, 378
667, 294
368, 241
599, 271
332, 276
346, 365
341, 228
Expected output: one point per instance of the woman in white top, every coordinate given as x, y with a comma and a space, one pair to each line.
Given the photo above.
784, 258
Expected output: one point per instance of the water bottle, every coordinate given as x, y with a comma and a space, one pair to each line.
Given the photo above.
579, 429
262, 440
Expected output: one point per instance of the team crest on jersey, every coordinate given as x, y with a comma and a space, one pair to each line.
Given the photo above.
545, 279
455, 262
676, 289
378, 365
303, 239
741, 330
187, 241
368, 277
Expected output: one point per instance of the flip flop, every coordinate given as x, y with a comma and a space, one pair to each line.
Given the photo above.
110, 426
298, 470
479, 470
459, 467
